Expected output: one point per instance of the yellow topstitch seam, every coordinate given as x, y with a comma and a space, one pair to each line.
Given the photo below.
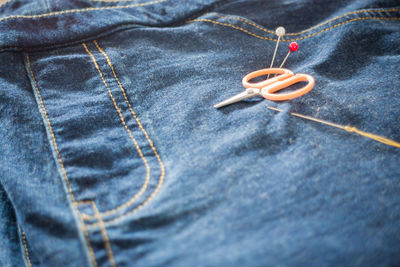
162, 175
106, 240
340, 24
139, 150
144, 203
58, 154
28, 260
80, 10
264, 38
103, 231
162, 167
344, 15
232, 26
243, 20
91, 252
289, 40
51, 130
309, 29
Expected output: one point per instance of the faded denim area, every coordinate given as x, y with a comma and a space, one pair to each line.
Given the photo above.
111, 153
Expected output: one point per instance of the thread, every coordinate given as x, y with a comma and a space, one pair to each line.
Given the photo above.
28, 260
348, 128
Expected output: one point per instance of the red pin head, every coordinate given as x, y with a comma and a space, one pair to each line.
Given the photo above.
293, 47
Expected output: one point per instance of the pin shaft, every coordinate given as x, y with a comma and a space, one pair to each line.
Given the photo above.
273, 57
284, 60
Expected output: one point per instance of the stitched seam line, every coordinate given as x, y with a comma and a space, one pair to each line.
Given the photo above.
145, 185
25, 248
340, 24
347, 14
118, 219
91, 252
162, 167
51, 130
243, 20
162, 175
57, 152
289, 40
232, 26
74, 42
106, 240
309, 29
80, 10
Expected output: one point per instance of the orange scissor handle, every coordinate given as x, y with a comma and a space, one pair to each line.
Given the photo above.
283, 74
268, 91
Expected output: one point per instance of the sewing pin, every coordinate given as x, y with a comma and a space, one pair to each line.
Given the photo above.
292, 48
280, 31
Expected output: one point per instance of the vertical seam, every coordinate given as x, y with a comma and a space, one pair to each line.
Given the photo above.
106, 240
25, 248
130, 107
57, 152
51, 129
84, 230
145, 185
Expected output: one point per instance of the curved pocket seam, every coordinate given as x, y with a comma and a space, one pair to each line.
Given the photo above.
162, 167
311, 28
138, 148
153, 148
298, 33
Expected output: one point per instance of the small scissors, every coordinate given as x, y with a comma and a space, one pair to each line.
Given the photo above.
267, 88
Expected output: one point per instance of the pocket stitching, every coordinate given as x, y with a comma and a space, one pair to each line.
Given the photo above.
162, 167
309, 29
143, 189
290, 40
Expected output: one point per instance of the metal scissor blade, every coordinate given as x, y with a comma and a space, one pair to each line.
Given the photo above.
250, 92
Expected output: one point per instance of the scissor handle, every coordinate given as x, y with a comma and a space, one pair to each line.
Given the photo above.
283, 74
268, 91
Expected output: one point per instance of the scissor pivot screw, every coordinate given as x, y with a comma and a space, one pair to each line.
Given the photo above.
251, 91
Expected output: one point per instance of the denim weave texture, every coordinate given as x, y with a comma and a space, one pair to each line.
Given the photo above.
112, 154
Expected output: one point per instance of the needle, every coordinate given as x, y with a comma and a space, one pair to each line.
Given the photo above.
347, 128
292, 48
310, 118
280, 31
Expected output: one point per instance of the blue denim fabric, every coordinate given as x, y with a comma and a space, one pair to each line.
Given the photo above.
111, 153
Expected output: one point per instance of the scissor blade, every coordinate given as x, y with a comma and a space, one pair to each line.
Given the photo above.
250, 92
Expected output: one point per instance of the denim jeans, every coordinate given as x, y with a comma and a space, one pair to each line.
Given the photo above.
111, 153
